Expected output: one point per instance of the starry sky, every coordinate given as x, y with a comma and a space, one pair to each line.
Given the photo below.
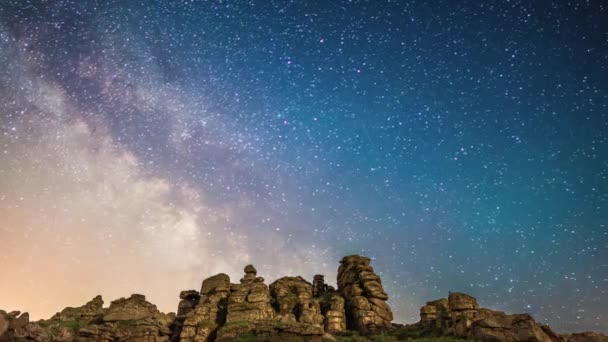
462, 145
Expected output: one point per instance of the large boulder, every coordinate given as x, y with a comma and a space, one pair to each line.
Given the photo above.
366, 307
458, 301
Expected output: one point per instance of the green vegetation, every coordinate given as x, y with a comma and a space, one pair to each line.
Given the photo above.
126, 323
72, 325
396, 335
206, 324
246, 337
325, 297
55, 326
387, 338
234, 327
241, 324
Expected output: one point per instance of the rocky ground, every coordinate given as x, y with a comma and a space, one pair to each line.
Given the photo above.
289, 309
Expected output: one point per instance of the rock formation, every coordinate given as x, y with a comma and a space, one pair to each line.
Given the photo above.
319, 287
130, 318
202, 322
459, 315
366, 307
250, 300
290, 309
335, 315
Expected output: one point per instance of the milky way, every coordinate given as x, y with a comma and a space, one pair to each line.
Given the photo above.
146, 145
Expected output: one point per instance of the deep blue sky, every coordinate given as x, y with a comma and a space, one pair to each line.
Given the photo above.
462, 145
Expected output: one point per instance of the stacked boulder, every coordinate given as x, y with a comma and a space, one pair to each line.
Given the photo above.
319, 287
297, 316
202, 322
366, 307
294, 303
250, 300
335, 317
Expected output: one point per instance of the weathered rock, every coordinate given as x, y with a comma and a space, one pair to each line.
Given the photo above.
201, 323
132, 318
461, 316
91, 311
366, 307
293, 299
319, 287
584, 337
458, 301
189, 300
130, 309
271, 330
335, 316
18, 321
290, 309
217, 283
250, 300
4, 322
502, 327
250, 269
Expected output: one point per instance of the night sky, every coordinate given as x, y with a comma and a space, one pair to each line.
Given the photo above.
462, 145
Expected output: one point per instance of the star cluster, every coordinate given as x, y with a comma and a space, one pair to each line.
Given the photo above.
463, 146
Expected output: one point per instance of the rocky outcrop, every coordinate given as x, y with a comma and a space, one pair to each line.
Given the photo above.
202, 322
290, 309
461, 316
91, 311
584, 337
131, 318
366, 308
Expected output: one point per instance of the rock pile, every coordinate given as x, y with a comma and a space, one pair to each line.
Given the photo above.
366, 307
